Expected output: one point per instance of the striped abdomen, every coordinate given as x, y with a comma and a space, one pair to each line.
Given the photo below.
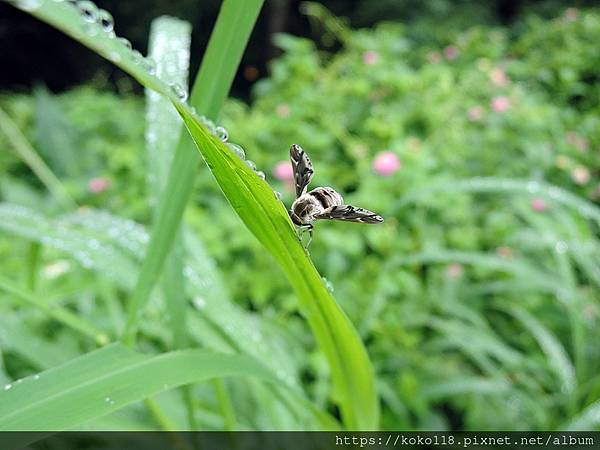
314, 202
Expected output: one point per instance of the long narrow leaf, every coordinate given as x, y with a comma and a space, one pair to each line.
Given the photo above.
105, 380
258, 207
228, 40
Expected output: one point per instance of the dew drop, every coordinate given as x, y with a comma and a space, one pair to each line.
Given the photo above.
239, 151
328, 285
137, 56
199, 302
261, 174
88, 10
250, 164
222, 134
29, 5
208, 123
109, 400
125, 42
150, 65
7, 386
561, 247
114, 57
91, 29
106, 21
277, 195
179, 91
36, 377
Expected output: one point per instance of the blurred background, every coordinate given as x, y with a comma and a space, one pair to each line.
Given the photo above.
472, 127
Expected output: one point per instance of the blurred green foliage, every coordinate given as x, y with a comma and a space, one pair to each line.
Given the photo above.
479, 306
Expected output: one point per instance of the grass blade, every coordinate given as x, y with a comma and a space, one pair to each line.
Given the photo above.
551, 346
61, 315
586, 420
37, 165
228, 40
266, 217
169, 46
106, 380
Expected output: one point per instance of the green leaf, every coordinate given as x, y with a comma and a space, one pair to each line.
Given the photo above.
557, 356
219, 65
17, 337
105, 380
54, 135
169, 46
586, 420
266, 217
37, 165
118, 246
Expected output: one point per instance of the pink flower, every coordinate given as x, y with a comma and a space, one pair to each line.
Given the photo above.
580, 175
451, 52
370, 57
454, 270
499, 77
283, 171
386, 163
538, 204
283, 110
500, 103
476, 113
98, 184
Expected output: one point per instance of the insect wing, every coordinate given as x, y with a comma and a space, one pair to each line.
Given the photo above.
349, 213
303, 169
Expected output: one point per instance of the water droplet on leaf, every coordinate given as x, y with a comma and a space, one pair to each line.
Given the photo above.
222, 134
239, 151
328, 285
29, 5
561, 247
137, 56
179, 92
125, 42
88, 11
150, 65
105, 19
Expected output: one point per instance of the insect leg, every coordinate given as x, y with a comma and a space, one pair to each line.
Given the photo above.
309, 227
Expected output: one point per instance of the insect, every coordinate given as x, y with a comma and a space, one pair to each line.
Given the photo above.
322, 203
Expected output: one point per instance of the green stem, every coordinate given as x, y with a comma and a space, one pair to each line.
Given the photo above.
62, 315
159, 416
225, 405
33, 256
